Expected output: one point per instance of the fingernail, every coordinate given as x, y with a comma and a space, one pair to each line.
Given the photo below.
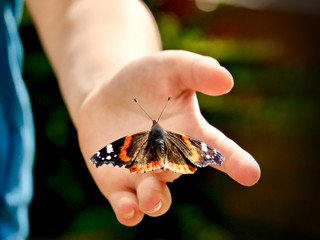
129, 214
155, 208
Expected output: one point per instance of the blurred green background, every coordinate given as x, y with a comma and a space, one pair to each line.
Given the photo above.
273, 112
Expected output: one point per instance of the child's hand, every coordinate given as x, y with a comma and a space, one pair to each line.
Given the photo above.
110, 113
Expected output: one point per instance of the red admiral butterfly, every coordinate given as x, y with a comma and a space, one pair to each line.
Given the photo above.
158, 149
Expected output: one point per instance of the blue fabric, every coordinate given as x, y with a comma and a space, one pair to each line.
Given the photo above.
16, 128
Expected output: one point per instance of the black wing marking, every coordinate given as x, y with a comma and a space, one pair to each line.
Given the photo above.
121, 152
208, 155
197, 152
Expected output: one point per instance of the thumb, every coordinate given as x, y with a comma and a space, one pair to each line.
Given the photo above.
199, 73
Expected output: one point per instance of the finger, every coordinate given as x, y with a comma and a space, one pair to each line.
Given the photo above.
118, 188
153, 195
166, 175
126, 207
238, 163
199, 73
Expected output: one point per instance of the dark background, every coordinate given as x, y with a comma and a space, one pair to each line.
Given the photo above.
273, 112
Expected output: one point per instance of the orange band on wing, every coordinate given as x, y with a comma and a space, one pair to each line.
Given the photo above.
180, 168
123, 151
195, 155
145, 167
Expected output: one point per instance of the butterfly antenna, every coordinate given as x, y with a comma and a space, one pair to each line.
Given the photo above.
163, 108
142, 109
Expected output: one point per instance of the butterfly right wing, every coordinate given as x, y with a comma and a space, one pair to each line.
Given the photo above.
198, 153
121, 152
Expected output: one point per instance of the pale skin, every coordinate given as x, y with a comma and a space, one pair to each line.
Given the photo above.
105, 53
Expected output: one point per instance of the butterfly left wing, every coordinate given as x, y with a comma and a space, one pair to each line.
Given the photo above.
121, 152
198, 153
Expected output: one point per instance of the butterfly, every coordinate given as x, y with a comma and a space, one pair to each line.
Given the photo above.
158, 149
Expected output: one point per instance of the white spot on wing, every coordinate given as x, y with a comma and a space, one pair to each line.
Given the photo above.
109, 148
204, 147
208, 156
108, 157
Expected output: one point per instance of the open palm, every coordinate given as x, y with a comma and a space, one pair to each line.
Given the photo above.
110, 113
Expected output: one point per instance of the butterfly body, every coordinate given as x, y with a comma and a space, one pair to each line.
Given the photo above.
158, 149
157, 138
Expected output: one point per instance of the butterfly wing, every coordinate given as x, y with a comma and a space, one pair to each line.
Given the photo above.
121, 152
197, 152
175, 161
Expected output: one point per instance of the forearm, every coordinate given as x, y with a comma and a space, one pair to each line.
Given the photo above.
88, 41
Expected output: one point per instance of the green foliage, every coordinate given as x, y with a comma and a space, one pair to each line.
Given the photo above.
225, 50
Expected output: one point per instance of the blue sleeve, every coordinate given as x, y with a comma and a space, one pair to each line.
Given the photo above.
16, 129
